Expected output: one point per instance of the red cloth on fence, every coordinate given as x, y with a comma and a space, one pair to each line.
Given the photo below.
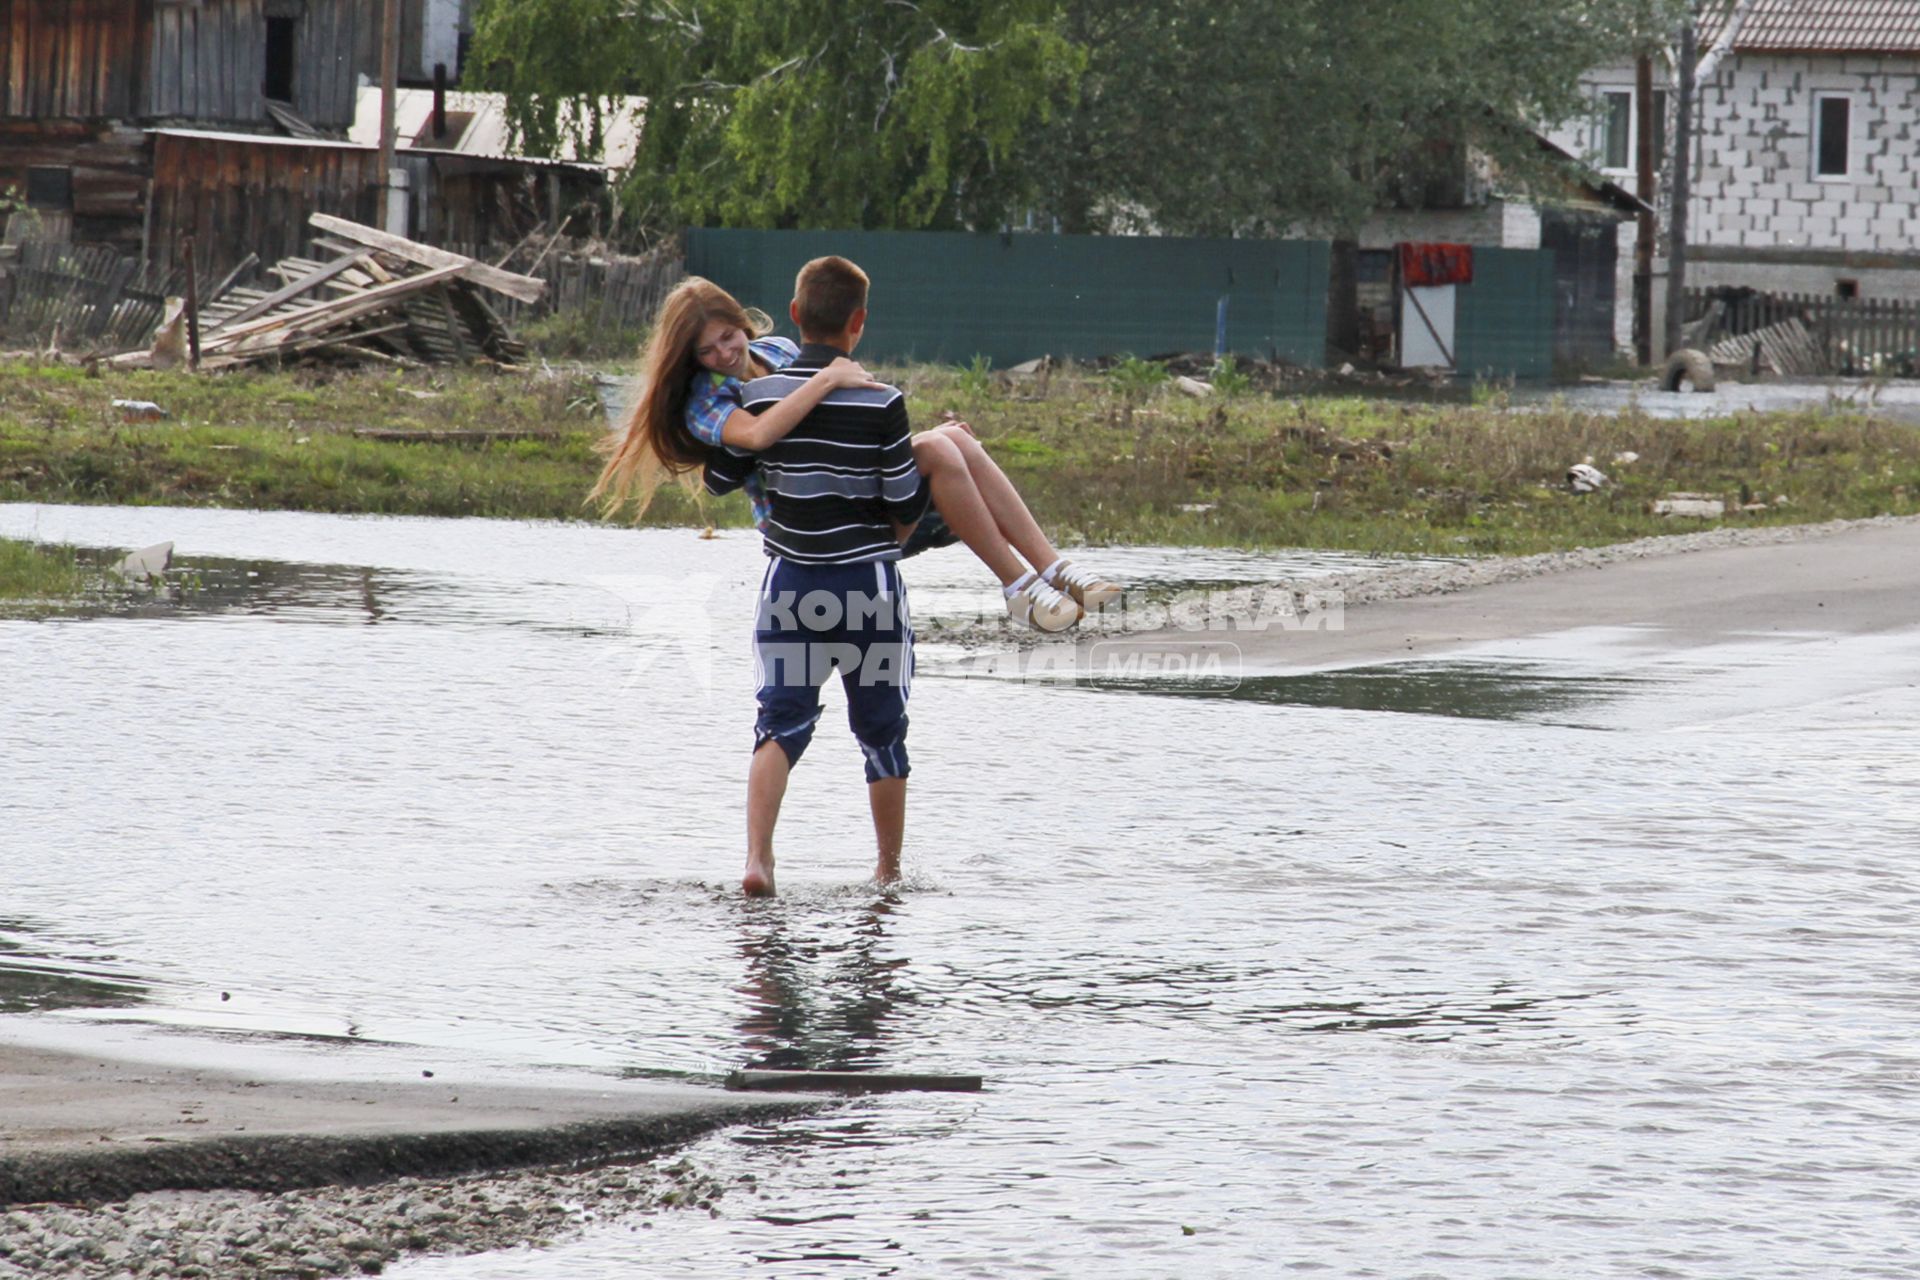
1430, 264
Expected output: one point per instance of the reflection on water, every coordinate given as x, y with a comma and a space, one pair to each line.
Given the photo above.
1258, 983
36, 977
817, 999
1486, 689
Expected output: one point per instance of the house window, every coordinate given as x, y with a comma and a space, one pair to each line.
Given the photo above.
1616, 130
1619, 123
278, 84
1846, 288
49, 187
1832, 136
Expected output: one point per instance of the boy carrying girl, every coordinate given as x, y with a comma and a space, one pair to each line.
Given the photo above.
843, 494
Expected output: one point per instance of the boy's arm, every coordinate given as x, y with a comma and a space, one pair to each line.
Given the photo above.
901, 492
727, 470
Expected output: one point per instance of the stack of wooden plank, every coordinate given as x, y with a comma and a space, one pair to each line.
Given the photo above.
376, 296
1786, 348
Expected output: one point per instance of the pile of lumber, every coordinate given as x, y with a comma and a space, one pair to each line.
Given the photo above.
366, 295
1786, 348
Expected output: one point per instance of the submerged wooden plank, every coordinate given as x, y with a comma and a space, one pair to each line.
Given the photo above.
853, 1081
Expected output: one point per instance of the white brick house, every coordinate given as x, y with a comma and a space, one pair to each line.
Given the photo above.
1806, 171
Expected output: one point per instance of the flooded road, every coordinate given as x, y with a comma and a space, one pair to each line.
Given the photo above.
1574, 956
1896, 399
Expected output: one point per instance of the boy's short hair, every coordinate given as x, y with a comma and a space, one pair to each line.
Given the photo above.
826, 293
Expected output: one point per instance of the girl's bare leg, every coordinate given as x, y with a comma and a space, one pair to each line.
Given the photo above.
961, 505
1016, 523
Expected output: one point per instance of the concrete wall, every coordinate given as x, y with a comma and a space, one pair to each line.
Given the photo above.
1754, 185
1756, 179
1759, 216
1874, 282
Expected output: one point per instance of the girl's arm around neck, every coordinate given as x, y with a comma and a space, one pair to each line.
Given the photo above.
743, 430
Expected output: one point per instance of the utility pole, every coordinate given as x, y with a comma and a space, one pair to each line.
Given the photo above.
1682, 187
1644, 188
389, 88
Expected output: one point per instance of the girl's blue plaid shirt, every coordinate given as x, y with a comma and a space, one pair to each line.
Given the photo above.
713, 397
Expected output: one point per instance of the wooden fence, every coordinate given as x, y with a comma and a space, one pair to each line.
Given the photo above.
85, 297
1860, 337
91, 298
619, 291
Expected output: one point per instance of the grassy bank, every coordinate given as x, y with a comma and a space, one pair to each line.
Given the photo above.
1126, 458
1117, 456
34, 574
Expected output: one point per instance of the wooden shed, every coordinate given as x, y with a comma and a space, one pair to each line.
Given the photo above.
212, 61
135, 123
238, 193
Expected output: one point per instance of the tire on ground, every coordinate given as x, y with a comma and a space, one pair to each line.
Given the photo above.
1688, 370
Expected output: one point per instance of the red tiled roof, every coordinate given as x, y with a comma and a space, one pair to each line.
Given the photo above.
1819, 26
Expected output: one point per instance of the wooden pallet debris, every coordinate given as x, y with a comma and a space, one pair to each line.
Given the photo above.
1786, 348
377, 296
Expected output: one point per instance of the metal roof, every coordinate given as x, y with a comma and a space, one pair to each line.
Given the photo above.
336, 144
1819, 26
480, 126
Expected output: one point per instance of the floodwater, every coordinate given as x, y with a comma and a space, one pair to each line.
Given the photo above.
1897, 399
1579, 956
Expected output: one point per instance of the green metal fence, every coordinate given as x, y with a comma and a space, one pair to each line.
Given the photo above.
951, 296
1504, 320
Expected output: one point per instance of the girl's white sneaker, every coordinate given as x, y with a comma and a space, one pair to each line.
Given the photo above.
1042, 607
1090, 591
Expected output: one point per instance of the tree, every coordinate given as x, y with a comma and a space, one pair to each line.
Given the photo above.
1267, 116
797, 113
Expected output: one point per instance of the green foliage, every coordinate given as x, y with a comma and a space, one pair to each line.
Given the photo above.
977, 378
1216, 117
1205, 117
795, 113
33, 573
1136, 379
579, 335
1229, 379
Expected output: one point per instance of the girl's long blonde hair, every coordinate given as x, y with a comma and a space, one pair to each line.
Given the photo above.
655, 444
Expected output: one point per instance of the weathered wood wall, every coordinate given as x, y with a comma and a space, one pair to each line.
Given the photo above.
238, 197
337, 41
483, 200
72, 59
198, 60
207, 61
109, 164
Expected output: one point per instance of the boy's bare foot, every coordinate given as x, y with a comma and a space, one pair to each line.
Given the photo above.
888, 870
758, 880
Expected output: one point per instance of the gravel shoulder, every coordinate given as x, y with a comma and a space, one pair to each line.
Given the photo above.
124, 1167
1843, 576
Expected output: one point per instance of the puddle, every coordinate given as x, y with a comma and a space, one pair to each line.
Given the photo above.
1547, 1001
1899, 400
1482, 690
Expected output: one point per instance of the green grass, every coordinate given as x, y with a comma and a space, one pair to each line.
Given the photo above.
1101, 463
287, 441
1100, 458
36, 574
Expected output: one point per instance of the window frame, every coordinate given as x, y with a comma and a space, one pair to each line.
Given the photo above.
1660, 104
1817, 137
